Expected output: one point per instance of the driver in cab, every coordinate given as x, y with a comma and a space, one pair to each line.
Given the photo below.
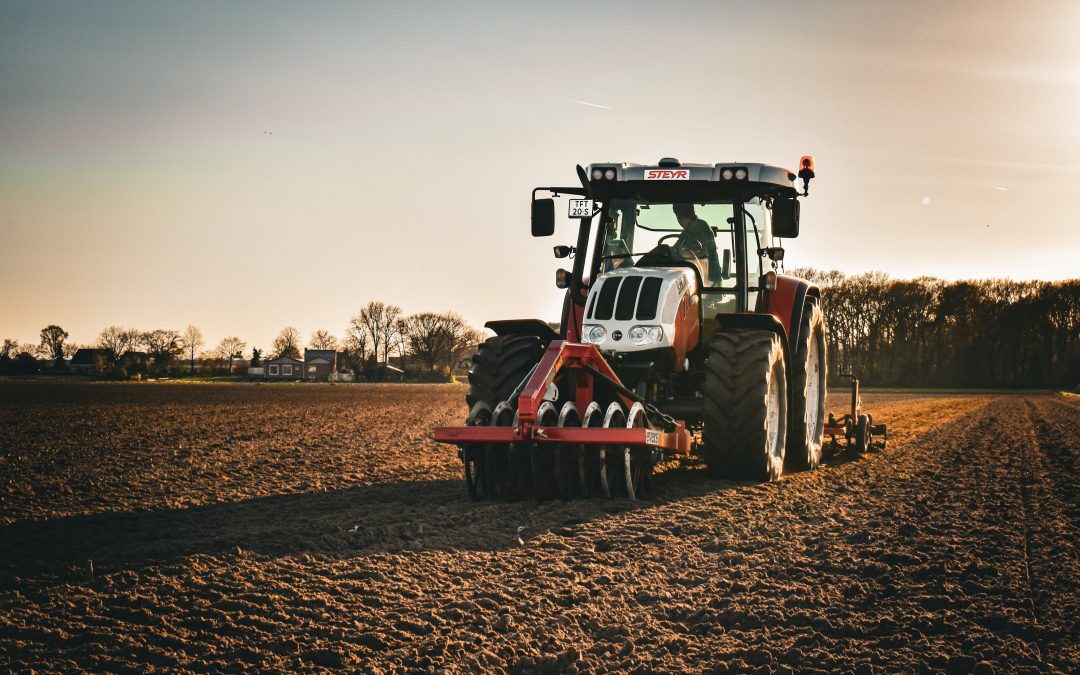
696, 241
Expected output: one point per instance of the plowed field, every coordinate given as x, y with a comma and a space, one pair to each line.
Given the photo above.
305, 527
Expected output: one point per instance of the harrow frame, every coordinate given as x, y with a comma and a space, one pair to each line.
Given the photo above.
585, 363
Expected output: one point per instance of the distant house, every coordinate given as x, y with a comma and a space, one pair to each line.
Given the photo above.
92, 360
87, 360
319, 364
283, 368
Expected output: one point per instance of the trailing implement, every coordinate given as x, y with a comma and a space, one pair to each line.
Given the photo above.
678, 336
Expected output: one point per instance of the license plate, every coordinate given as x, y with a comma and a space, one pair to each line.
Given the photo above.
582, 208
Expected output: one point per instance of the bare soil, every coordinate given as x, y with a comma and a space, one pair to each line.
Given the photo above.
308, 527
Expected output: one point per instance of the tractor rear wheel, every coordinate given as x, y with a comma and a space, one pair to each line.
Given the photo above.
745, 411
808, 374
500, 364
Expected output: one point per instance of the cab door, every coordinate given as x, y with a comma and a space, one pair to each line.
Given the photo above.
757, 239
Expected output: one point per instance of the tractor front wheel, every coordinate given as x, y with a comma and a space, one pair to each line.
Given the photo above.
745, 411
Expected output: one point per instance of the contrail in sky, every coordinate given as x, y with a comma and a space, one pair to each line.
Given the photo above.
591, 105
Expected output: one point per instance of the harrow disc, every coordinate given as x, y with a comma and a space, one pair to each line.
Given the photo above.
589, 458
637, 462
568, 458
477, 480
497, 455
542, 455
612, 482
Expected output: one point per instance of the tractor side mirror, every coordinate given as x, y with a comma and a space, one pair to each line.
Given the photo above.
785, 218
543, 217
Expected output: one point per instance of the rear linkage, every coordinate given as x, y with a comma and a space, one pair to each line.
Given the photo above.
856, 428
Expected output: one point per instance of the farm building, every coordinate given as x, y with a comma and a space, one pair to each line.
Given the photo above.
283, 368
90, 360
318, 364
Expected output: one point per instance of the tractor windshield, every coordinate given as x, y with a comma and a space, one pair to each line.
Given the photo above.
646, 234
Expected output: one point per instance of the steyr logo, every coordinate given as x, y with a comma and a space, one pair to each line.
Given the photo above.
667, 174
617, 335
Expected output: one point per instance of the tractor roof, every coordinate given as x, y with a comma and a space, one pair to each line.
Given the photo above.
670, 180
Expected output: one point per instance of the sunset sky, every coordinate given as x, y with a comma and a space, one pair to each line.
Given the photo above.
246, 166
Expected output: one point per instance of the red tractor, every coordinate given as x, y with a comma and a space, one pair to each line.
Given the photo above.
677, 336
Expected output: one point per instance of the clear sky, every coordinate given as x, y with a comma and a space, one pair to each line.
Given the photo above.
139, 185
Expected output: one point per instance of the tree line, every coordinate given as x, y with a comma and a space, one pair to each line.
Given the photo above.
429, 344
922, 332
927, 332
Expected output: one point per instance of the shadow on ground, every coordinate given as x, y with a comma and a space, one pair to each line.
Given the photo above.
408, 515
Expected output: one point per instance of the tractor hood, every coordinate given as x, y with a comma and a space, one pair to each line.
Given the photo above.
637, 308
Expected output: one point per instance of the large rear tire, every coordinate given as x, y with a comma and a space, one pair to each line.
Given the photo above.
500, 364
808, 374
745, 411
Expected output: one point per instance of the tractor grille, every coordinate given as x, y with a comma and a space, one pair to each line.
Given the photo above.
626, 298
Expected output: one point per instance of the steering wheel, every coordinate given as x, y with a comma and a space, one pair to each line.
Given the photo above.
668, 236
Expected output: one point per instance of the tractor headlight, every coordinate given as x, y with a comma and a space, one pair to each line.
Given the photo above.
594, 334
727, 174
643, 335
597, 174
610, 174
740, 174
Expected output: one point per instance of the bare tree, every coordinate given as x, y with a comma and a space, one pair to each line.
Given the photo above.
402, 349
118, 341
372, 319
9, 349
287, 343
231, 348
52, 342
438, 338
426, 335
356, 343
322, 339
193, 341
162, 346
390, 330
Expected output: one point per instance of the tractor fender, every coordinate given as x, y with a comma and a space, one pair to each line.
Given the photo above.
786, 305
523, 327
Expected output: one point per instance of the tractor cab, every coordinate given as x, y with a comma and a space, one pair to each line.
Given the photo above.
662, 250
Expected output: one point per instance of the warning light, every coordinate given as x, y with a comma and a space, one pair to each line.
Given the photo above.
806, 172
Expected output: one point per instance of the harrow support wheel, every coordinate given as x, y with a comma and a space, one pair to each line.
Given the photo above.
612, 461
542, 455
569, 459
862, 434
637, 462
477, 478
